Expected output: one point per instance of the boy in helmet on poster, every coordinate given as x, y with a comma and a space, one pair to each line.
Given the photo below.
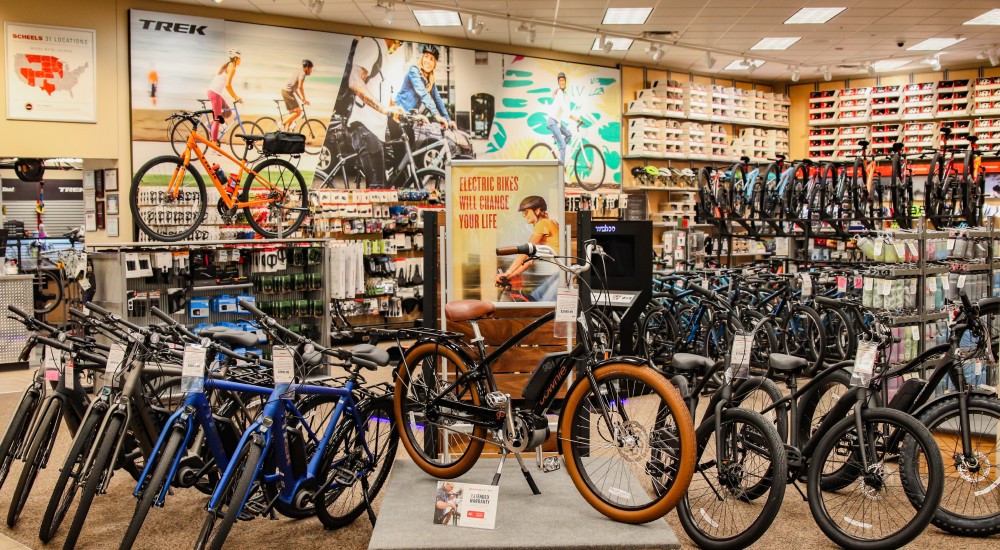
544, 231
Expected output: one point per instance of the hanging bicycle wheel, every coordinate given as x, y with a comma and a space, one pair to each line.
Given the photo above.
589, 167
167, 199
278, 199
48, 291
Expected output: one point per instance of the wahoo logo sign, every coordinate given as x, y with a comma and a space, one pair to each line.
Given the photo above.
168, 26
605, 228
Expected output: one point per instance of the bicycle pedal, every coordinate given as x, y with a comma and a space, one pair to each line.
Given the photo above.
255, 506
551, 464
496, 399
344, 477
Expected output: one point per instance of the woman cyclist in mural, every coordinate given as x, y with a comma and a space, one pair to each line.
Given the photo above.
418, 88
222, 83
544, 231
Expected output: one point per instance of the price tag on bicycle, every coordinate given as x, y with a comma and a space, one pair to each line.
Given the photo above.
284, 365
739, 357
961, 281
567, 309
841, 284
193, 372
864, 364
53, 358
116, 364
807, 285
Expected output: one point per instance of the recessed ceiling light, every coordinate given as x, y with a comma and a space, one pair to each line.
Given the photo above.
437, 18
617, 44
626, 16
991, 17
890, 64
775, 43
742, 64
934, 44
813, 16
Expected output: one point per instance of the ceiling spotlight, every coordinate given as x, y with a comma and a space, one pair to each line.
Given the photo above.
709, 60
315, 6
795, 73
530, 30
827, 75
870, 68
656, 51
475, 26
993, 54
606, 44
934, 62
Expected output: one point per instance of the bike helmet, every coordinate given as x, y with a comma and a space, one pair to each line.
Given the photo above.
560, 75
306, 63
233, 53
532, 202
433, 50
652, 171
638, 171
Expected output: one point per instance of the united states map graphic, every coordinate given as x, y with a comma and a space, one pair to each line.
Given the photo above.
47, 72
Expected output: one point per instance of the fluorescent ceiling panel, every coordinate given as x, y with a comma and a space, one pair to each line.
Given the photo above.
626, 16
737, 64
935, 44
775, 43
813, 16
991, 17
437, 18
617, 44
890, 64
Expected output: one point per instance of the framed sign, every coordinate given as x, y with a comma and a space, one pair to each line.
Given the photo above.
112, 201
50, 73
500, 203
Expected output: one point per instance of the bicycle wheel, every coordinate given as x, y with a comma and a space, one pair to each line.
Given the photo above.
816, 404
431, 179
17, 430
765, 342
69, 476
803, 334
659, 337
180, 132
168, 199
357, 479
315, 132
38, 453
637, 469
102, 467
736, 493
268, 124
876, 511
970, 506
48, 291
589, 167
769, 198
840, 337
541, 151
758, 393
244, 482
277, 197
442, 448
239, 146
158, 480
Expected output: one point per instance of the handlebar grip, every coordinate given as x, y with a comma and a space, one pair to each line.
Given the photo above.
17, 311
98, 309
159, 314
703, 291
251, 308
828, 302
92, 357
526, 248
77, 313
132, 326
54, 343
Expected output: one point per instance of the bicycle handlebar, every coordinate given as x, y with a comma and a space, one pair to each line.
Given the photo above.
52, 343
528, 249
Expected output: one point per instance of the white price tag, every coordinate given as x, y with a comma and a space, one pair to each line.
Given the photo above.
951, 244
841, 284
913, 248
864, 364
869, 283
806, 285
53, 358
945, 283
878, 248
115, 358
284, 365
961, 281
567, 309
977, 369
739, 357
193, 372
931, 283
69, 377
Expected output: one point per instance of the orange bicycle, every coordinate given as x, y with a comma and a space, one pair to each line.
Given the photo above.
169, 199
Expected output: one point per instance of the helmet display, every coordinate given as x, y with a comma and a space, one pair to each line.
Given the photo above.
532, 202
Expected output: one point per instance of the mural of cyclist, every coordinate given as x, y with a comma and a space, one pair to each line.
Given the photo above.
294, 89
222, 83
559, 112
544, 231
418, 89
369, 115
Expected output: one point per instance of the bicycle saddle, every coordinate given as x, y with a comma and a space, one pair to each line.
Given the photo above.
690, 362
250, 138
234, 338
972, 139
367, 355
864, 143
787, 363
468, 310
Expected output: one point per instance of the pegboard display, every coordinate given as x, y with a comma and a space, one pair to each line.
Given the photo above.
16, 291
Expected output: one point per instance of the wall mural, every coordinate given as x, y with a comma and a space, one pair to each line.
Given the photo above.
376, 112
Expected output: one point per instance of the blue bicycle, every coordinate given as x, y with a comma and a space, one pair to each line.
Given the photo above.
231, 131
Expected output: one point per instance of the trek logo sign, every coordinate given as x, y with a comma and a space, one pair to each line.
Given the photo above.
168, 26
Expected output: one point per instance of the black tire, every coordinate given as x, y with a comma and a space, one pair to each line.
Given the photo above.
244, 485
17, 430
48, 291
901, 442
431, 179
239, 147
815, 404
758, 393
69, 475
341, 505
164, 462
104, 463
981, 516
737, 488
35, 460
765, 339
542, 151
808, 338
769, 199
294, 208
839, 332
315, 132
589, 167
179, 133
268, 124
148, 179
658, 337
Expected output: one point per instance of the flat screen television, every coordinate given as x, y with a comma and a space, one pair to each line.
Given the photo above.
630, 245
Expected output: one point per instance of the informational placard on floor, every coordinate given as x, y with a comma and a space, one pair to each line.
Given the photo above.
466, 505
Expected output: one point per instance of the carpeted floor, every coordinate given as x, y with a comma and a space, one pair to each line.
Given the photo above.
176, 526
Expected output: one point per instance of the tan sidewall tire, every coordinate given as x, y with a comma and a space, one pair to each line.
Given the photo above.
687, 438
475, 446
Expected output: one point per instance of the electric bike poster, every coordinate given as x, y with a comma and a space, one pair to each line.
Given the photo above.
501, 203
466, 505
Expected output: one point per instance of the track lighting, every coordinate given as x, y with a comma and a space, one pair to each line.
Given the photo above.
657, 54
827, 75
605, 44
475, 25
795, 73
389, 9
530, 30
315, 6
870, 68
709, 60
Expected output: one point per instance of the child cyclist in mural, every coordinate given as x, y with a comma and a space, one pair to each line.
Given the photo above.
221, 85
544, 231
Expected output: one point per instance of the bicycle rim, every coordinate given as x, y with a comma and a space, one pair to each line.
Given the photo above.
589, 167
163, 213
284, 199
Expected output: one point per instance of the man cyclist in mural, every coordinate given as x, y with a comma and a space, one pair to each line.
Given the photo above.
559, 112
544, 231
418, 89
369, 115
294, 89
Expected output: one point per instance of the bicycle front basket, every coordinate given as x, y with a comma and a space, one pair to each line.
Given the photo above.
284, 143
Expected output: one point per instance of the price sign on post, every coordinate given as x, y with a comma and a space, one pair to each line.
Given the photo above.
739, 357
567, 307
284, 365
193, 373
864, 364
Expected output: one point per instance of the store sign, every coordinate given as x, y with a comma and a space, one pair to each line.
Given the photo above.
55, 190
466, 505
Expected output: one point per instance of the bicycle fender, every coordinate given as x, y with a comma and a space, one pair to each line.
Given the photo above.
949, 397
629, 359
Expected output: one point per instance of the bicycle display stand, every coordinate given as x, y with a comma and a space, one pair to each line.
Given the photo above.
524, 520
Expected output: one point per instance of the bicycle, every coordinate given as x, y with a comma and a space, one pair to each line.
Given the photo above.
901, 186
312, 128
589, 169
447, 407
168, 192
181, 130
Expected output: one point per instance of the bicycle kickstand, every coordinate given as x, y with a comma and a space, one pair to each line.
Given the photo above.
368, 502
527, 474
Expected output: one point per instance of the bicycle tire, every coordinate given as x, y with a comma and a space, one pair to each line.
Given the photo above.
747, 395
814, 407
268, 124
759, 438
467, 459
765, 342
240, 457
65, 489
103, 463
537, 151
164, 463
956, 480
239, 147
315, 132
17, 430
659, 337
179, 133
682, 432
431, 179
247, 477
859, 189
592, 165
810, 342
933, 186
47, 280
917, 439
38, 451
769, 199
840, 336
290, 182
135, 197
384, 451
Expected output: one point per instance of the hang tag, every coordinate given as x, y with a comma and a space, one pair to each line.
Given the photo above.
69, 377
859, 282
116, 358
878, 248
53, 358
913, 248
739, 357
931, 284
193, 372
284, 365
567, 308
841, 284
864, 364
945, 283
961, 281
869, 283
806, 285
951, 244
978, 368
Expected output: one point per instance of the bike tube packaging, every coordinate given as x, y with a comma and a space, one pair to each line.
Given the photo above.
198, 308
